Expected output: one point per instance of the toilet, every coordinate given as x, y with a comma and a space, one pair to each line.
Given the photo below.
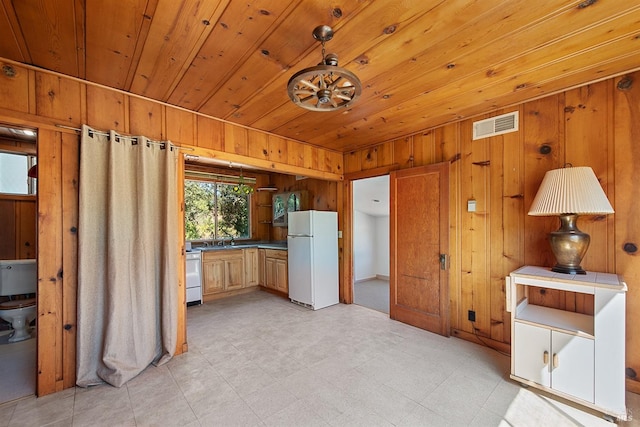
18, 278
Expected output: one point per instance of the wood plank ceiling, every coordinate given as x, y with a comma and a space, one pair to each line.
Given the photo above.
422, 62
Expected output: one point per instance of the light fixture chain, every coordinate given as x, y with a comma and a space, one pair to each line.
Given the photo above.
322, 51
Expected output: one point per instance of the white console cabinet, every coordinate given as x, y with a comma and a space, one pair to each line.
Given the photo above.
577, 356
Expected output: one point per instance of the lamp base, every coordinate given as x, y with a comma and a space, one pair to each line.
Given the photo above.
568, 270
569, 245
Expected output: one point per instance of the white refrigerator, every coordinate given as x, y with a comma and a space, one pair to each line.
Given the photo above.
312, 246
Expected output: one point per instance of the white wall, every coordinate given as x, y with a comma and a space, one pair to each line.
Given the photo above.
364, 246
382, 246
370, 246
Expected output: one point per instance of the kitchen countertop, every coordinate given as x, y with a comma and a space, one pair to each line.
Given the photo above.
244, 245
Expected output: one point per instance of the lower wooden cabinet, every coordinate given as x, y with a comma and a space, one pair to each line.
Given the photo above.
232, 269
275, 270
223, 271
251, 266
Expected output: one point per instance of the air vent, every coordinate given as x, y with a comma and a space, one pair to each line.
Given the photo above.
495, 125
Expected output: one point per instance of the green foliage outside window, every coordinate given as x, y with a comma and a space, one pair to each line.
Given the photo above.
213, 210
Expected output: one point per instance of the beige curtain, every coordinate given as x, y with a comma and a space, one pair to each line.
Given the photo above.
127, 260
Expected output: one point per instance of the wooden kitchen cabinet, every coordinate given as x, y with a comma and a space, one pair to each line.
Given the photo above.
262, 257
580, 357
212, 276
251, 269
223, 271
276, 271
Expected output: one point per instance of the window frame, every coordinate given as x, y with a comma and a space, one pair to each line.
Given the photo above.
216, 180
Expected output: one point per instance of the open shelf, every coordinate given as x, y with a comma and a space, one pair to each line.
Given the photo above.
566, 321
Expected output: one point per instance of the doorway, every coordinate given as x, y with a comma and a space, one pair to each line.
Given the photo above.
18, 214
370, 201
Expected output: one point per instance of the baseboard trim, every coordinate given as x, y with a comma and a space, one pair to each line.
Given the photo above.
376, 277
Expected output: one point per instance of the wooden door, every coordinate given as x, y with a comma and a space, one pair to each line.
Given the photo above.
419, 228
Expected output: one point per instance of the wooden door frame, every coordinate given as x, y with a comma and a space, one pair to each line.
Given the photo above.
346, 291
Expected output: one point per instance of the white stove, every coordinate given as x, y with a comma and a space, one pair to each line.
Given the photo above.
194, 277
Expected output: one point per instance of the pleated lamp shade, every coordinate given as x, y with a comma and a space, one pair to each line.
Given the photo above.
570, 190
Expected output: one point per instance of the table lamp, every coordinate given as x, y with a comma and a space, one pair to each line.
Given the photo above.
569, 192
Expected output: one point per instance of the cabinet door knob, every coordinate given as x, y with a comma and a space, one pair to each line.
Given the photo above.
555, 360
545, 357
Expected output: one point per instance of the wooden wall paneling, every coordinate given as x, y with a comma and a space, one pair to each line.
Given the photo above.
258, 145
106, 109
333, 161
70, 154
278, 149
449, 139
295, 153
9, 230
14, 88
498, 318
310, 158
352, 162
25, 221
145, 118
403, 152
476, 241
369, 158
513, 210
626, 122
210, 133
50, 268
235, 139
424, 152
386, 154
543, 151
59, 98
587, 115
181, 126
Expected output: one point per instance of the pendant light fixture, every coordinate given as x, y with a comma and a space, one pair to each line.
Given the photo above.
241, 187
325, 87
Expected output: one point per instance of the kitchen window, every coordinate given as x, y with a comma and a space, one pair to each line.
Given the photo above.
14, 173
216, 210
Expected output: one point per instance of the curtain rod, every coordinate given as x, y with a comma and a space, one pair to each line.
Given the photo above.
133, 138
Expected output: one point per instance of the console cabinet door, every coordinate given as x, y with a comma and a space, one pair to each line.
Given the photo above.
554, 359
532, 353
573, 365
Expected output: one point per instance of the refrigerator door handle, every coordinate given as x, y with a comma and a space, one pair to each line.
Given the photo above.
299, 235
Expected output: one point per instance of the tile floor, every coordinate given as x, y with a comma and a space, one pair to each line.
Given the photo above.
372, 293
258, 360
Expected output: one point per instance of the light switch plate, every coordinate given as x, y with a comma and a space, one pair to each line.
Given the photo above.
471, 205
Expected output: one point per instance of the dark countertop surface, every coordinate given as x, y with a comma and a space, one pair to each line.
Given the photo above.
244, 245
